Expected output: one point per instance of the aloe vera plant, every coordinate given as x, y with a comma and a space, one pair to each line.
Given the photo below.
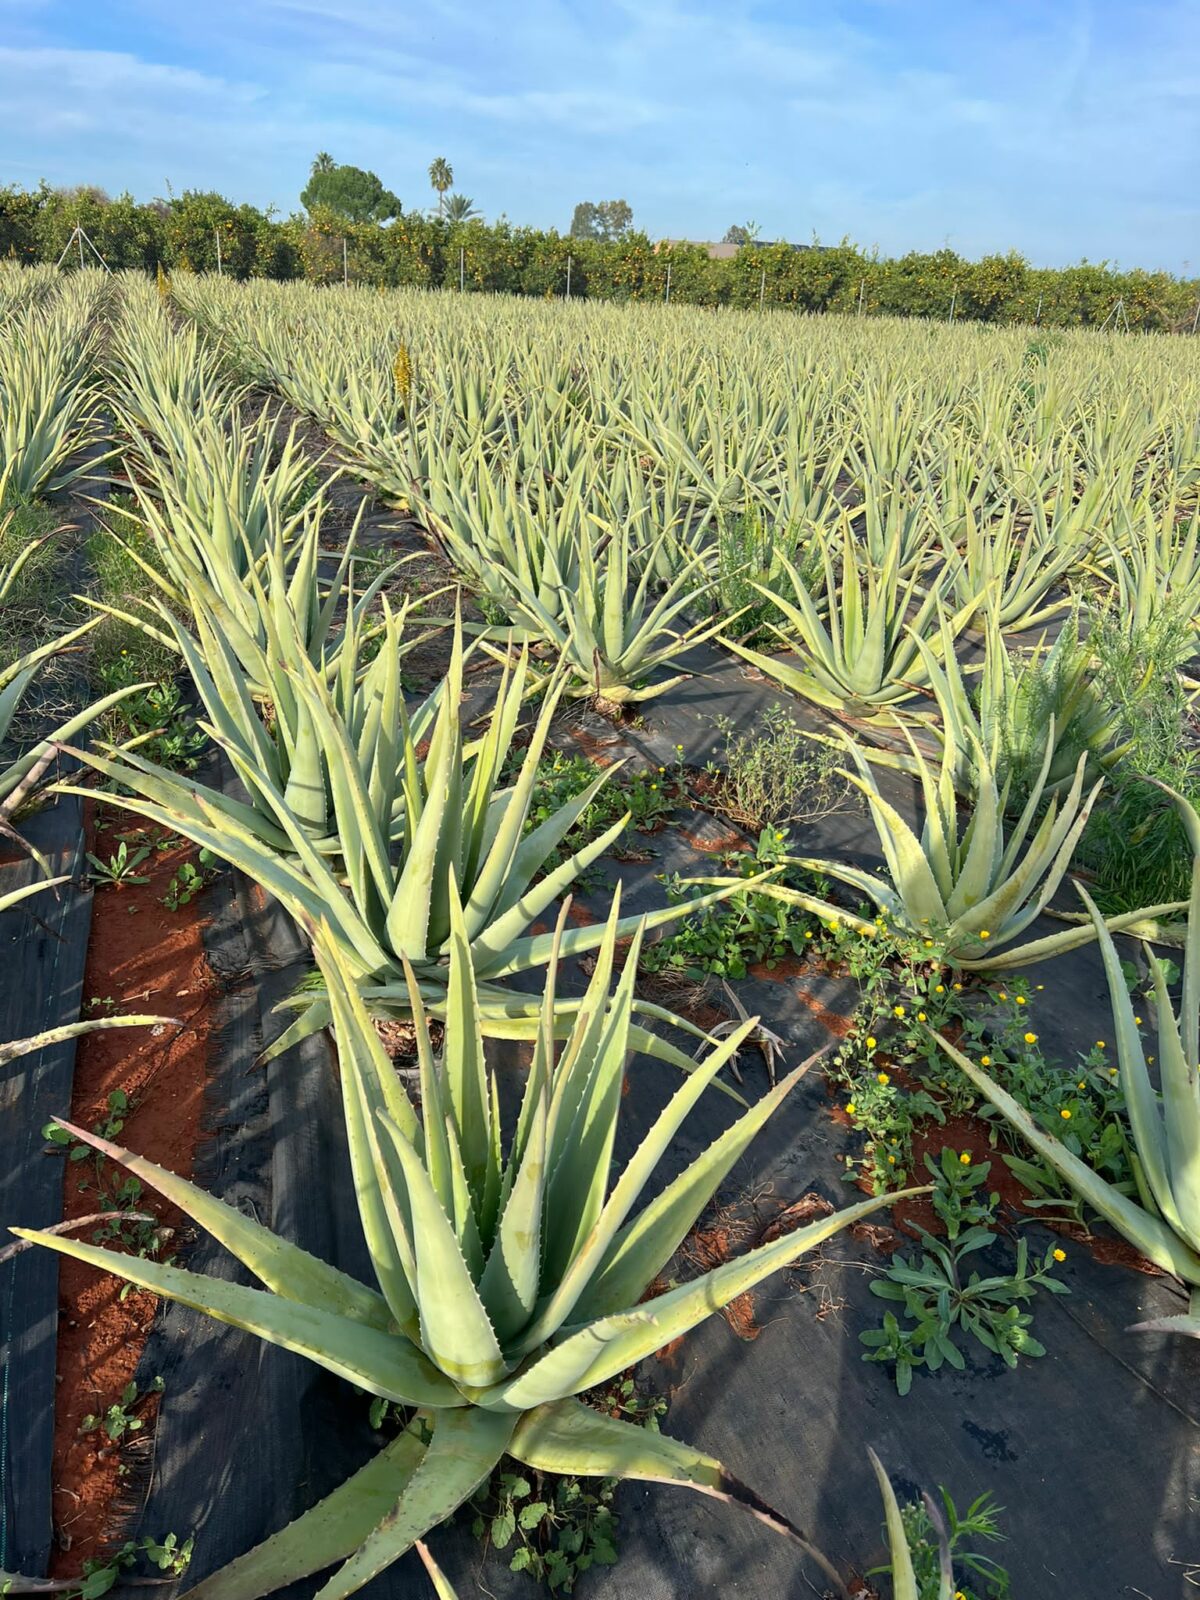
247, 637
509, 538
361, 830
21, 775
863, 658
510, 1281
216, 494
1019, 557
1164, 1124
1153, 565
49, 403
1018, 706
974, 888
608, 628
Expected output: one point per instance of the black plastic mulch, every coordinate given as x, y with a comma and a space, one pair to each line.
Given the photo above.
44, 943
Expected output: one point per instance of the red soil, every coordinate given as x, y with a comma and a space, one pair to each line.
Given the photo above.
147, 959
706, 1248
598, 751
968, 1136
715, 844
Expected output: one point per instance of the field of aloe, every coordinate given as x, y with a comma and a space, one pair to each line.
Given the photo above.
721, 790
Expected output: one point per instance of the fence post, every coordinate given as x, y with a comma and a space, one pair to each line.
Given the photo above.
668, 295
568, 276
862, 284
217, 234
762, 289
345, 266
461, 268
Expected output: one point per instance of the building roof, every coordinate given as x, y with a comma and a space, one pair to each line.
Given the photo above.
723, 251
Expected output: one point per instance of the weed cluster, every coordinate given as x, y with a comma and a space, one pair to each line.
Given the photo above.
726, 939
941, 1299
775, 774
1134, 843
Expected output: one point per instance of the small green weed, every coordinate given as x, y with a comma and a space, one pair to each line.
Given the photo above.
558, 1528
157, 718
728, 938
190, 877
649, 797
939, 1300
121, 867
977, 1576
118, 647
109, 1126
100, 1573
121, 1417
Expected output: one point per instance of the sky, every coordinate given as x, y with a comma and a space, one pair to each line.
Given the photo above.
1060, 128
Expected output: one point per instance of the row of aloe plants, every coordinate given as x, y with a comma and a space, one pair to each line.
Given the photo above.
413, 874
586, 496
509, 1280
1107, 505
51, 439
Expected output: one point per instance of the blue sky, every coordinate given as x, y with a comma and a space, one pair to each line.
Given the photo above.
1062, 128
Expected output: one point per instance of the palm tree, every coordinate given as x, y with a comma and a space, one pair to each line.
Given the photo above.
324, 162
459, 207
441, 176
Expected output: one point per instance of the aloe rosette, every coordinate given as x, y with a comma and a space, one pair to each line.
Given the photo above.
1020, 705
975, 888
1164, 1123
367, 832
509, 1282
606, 623
861, 657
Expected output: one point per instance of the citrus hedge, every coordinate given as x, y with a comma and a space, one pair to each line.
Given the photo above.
183, 233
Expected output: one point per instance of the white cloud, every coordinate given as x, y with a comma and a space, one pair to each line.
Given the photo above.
1059, 130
